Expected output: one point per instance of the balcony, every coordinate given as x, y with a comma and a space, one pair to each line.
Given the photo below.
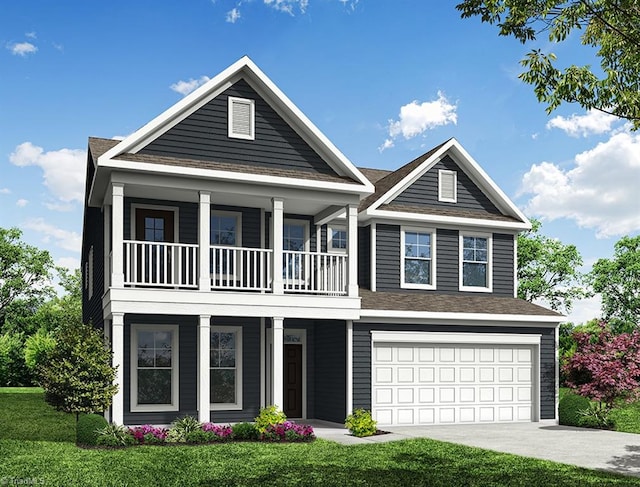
176, 266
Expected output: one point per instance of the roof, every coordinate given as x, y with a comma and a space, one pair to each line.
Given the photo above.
98, 146
374, 175
452, 303
457, 212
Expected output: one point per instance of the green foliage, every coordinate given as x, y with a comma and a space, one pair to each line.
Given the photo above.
181, 428
114, 435
25, 270
548, 269
608, 26
13, 369
618, 282
360, 423
245, 431
569, 409
78, 376
87, 428
37, 348
596, 416
269, 416
199, 436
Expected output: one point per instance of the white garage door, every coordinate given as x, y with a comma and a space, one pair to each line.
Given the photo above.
431, 383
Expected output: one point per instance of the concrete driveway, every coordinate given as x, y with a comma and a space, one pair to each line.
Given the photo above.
589, 448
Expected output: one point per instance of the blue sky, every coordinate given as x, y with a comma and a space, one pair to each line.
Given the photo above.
385, 81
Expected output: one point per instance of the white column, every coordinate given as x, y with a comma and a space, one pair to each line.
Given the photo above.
263, 372
204, 371
106, 217
277, 238
204, 241
117, 343
117, 247
106, 329
352, 250
349, 367
278, 361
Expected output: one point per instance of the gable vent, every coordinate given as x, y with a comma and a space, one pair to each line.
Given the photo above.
241, 118
447, 186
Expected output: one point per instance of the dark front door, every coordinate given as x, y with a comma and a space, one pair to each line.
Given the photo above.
154, 261
293, 381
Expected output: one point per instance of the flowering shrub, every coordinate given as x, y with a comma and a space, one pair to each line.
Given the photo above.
269, 416
221, 433
149, 434
288, 431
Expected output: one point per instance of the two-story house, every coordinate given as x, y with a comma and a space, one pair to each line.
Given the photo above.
235, 258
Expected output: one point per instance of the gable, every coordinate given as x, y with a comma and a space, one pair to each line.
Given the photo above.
423, 192
204, 135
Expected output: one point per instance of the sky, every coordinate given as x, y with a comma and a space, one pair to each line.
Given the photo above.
385, 81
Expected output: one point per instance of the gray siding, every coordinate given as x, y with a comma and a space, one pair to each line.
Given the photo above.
330, 380
93, 237
503, 265
447, 260
362, 358
204, 136
387, 257
424, 191
364, 257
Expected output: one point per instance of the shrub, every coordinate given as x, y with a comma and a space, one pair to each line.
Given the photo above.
595, 416
569, 409
148, 434
13, 369
221, 433
87, 428
181, 427
200, 436
245, 431
288, 431
115, 435
37, 347
360, 423
269, 416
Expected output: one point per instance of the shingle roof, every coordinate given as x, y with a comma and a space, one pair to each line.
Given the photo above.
455, 212
374, 175
99, 146
451, 303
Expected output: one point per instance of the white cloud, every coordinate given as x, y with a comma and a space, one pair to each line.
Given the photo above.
599, 192
64, 169
70, 263
63, 238
186, 87
233, 15
593, 122
5, 191
21, 203
416, 118
584, 310
22, 48
287, 6
31, 35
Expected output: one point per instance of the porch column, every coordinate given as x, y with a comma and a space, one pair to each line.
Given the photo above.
106, 223
117, 246
352, 250
204, 240
117, 344
204, 392
276, 236
349, 367
278, 359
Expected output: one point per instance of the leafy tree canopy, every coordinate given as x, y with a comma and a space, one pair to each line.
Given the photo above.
611, 27
548, 270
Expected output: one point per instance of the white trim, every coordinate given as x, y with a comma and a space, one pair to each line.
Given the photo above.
204, 237
263, 368
373, 276
455, 338
339, 228
349, 366
232, 101
277, 356
237, 406
557, 372
383, 314
277, 241
106, 255
204, 382
117, 235
476, 289
442, 172
515, 265
144, 206
117, 361
175, 376
432, 258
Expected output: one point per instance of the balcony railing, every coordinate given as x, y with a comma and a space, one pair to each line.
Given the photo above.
175, 265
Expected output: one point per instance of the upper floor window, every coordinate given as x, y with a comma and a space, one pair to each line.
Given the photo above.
242, 118
417, 269
447, 186
475, 262
337, 237
225, 228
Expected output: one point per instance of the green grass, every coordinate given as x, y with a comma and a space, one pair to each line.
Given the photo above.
37, 443
626, 416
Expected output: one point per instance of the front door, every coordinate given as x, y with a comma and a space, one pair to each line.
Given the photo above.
154, 261
293, 380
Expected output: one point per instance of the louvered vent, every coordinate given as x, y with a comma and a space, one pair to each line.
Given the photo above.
241, 118
447, 186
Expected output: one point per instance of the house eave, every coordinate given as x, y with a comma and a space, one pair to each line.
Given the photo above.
382, 315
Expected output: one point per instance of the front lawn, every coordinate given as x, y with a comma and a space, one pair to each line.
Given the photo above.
36, 443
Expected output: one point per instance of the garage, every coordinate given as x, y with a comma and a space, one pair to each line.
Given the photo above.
447, 378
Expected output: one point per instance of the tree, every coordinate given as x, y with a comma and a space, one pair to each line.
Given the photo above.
78, 376
618, 282
611, 27
24, 271
605, 368
548, 270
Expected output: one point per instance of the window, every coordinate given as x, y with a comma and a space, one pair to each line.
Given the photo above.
475, 262
447, 186
337, 239
226, 367
241, 118
294, 239
226, 230
154, 368
417, 268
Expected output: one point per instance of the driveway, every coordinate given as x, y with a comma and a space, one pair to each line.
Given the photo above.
589, 448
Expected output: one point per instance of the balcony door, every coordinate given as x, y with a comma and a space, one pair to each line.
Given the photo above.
154, 259
295, 263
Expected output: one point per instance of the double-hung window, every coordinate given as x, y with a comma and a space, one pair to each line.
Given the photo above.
417, 269
225, 235
475, 263
337, 239
226, 367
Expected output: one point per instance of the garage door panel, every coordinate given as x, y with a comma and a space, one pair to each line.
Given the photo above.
465, 384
